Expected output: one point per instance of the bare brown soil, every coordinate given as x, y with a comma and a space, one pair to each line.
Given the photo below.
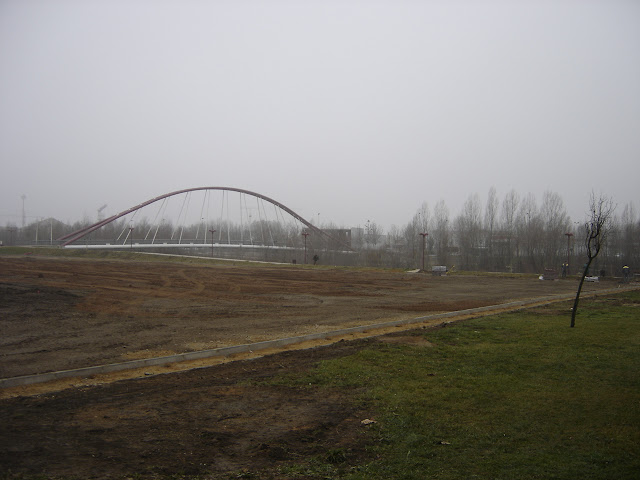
58, 314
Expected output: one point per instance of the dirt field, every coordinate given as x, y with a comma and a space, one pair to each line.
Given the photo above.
60, 314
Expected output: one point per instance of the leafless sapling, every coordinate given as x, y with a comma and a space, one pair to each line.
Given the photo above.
596, 230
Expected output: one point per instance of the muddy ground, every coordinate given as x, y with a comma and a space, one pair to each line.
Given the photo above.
58, 314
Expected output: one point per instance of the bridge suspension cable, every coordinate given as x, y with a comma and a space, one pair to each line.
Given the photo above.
261, 229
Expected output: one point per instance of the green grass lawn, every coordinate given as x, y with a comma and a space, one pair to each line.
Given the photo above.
515, 396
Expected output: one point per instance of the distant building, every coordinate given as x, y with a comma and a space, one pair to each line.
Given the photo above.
342, 235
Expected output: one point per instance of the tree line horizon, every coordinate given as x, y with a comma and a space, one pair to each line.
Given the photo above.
513, 234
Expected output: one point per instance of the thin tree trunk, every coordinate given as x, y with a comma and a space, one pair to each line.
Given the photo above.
575, 303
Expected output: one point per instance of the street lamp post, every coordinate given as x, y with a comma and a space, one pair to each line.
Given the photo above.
305, 235
212, 232
367, 236
569, 235
424, 236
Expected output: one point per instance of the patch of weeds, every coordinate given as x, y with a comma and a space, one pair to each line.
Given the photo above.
336, 455
315, 468
245, 474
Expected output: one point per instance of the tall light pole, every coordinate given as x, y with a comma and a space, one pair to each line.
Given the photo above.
212, 232
424, 236
305, 235
569, 235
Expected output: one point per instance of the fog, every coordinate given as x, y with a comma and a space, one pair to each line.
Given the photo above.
343, 111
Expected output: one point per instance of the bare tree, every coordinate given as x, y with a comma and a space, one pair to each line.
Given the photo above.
556, 222
413, 243
530, 229
509, 211
440, 234
490, 217
373, 233
424, 217
629, 233
596, 230
468, 226
395, 242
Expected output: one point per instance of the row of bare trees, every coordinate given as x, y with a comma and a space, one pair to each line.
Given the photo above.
513, 234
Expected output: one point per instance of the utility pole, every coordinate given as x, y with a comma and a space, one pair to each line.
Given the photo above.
305, 235
212, 232
424, 236
569, 235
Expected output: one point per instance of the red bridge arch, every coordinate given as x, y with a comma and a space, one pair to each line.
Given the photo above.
78, 234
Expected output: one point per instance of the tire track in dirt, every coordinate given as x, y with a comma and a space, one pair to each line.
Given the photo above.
176, 285
199, 285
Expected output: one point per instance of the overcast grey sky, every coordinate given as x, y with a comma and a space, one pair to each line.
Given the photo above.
357, 110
